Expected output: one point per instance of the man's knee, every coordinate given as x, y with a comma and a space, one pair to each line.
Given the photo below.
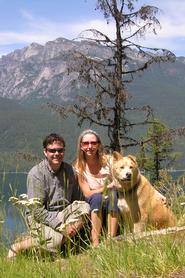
81, 206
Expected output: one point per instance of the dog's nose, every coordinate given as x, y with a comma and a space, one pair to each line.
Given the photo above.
128, 175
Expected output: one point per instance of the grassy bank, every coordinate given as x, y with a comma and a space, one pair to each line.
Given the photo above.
154, 256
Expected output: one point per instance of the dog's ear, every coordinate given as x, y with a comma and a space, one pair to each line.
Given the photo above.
133, 158
116, 155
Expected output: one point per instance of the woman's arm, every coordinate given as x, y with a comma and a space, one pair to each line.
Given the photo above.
86, 190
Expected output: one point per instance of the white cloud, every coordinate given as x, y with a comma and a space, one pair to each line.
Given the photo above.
41, 30
16, 37
171, 35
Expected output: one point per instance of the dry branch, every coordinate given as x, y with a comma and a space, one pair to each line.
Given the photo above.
163, 232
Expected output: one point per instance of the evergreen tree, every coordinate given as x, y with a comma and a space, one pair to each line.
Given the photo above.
157, 150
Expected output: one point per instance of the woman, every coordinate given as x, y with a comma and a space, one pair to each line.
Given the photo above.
95, 181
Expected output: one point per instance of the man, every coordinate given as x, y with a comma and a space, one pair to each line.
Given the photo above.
60, 214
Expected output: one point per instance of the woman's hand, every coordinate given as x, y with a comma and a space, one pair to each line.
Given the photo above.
111, 185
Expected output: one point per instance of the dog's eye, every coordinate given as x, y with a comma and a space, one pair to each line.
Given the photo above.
122, 167
131, 167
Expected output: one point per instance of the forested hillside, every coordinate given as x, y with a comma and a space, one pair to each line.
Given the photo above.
23, 126
22, 129
32, 76
163, 87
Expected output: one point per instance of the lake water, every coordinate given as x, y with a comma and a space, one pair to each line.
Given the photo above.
11, 184
14, 184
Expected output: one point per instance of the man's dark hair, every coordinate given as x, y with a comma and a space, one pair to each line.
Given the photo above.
51, 138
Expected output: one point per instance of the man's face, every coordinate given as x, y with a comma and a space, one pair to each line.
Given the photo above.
55, 154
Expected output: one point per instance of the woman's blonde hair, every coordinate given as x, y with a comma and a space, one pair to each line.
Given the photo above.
80, 161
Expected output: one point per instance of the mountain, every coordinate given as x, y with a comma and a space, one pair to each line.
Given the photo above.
40, 71
163, 88
36, 74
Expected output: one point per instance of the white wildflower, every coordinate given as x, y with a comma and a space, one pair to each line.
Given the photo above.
24, 202
13, 199
33, 203
23, 196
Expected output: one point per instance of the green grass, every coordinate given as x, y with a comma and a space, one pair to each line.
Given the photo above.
155, 256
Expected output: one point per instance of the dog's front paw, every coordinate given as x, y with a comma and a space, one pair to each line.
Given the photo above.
123, 206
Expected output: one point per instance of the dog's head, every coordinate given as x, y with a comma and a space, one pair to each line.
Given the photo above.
125, 170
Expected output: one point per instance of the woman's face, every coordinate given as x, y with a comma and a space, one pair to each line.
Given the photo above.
89, 144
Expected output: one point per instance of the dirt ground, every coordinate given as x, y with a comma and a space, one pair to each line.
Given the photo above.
180, 274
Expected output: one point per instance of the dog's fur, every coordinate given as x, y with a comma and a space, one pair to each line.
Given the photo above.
139, 202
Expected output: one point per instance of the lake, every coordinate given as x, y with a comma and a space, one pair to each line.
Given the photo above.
11, 184
14, 184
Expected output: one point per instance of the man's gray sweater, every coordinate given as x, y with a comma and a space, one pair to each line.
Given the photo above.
56, 190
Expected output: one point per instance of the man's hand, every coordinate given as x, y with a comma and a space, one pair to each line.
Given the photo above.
70, 228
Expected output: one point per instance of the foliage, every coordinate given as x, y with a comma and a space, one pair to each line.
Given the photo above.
1, 218
109, 75
173, 189
157, 149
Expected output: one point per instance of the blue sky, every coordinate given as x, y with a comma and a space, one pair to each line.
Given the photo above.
25, 21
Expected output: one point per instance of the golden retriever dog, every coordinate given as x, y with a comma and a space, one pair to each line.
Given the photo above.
139, 202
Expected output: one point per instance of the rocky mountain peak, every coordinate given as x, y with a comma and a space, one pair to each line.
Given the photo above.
32, 50
41, 70
36, 70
